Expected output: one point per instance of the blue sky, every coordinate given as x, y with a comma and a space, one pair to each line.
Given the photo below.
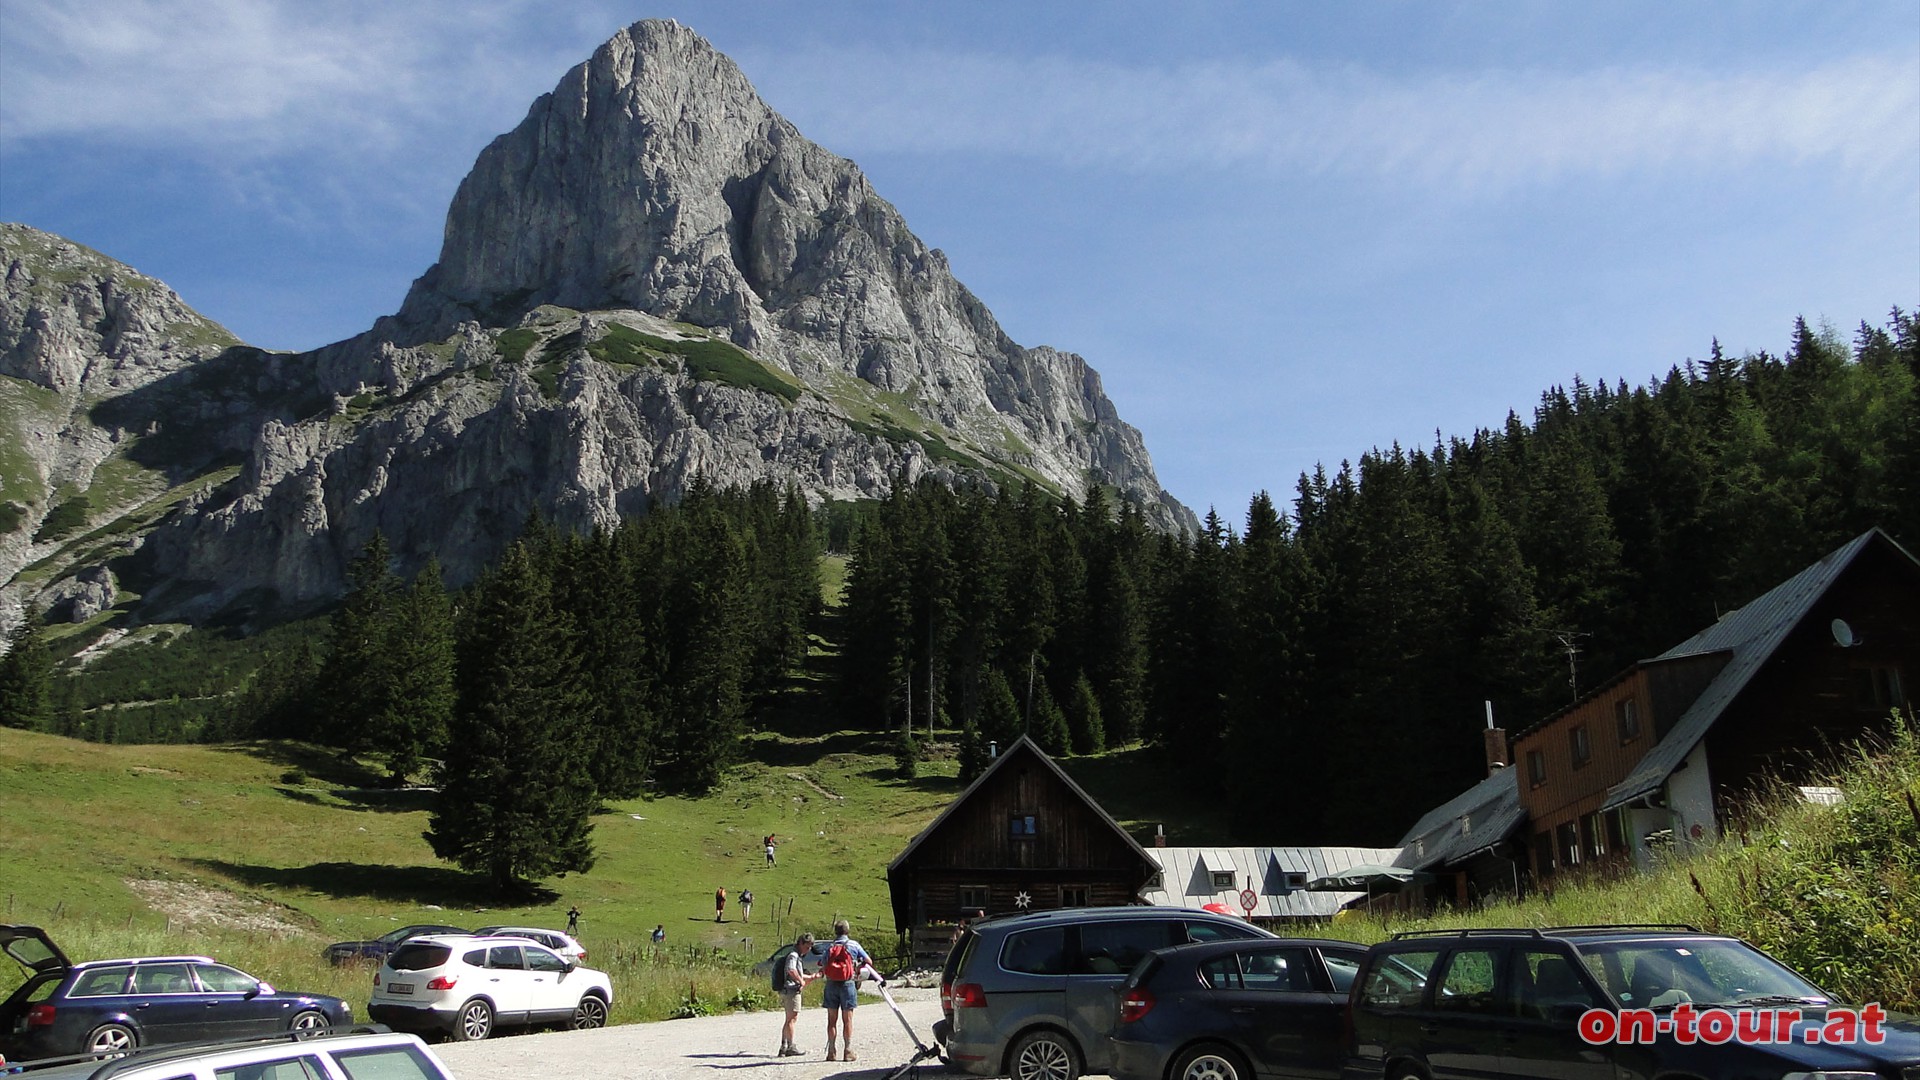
1283, 232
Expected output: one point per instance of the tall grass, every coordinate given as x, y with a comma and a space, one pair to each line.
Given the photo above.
1832, 891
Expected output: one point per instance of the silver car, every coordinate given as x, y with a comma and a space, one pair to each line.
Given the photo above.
1032, 996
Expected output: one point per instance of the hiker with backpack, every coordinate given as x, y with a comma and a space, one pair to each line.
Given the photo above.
789, 978
846, 964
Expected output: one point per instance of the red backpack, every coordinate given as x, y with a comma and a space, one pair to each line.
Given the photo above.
839, 965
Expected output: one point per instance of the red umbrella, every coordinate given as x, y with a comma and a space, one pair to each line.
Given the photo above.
1219, 908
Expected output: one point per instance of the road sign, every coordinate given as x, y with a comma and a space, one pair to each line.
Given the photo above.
1249, 900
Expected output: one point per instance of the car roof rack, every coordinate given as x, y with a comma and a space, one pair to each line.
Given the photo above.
1525, 931
116, 1063
1601, 928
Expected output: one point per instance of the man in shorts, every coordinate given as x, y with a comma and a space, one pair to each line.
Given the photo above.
796, 981
846, 964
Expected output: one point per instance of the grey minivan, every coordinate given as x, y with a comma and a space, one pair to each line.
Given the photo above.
1032, 996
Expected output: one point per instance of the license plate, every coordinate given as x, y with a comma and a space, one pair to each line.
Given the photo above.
399, 988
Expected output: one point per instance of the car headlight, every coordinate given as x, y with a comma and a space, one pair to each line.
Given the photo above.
1829, 1074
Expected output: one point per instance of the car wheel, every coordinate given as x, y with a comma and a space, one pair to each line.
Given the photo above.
1043, 1055
1211, 1063
590, 1013
110, 1038
309, 1020
1406, 1071
474, 1023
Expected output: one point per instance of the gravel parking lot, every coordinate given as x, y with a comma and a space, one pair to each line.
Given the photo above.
697, 1049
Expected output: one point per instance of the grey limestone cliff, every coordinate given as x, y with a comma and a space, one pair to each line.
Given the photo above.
653, 278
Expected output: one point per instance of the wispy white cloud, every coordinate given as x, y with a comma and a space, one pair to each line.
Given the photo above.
265, 79
1478, 131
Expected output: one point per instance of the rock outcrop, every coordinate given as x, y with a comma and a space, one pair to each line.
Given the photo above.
653, 279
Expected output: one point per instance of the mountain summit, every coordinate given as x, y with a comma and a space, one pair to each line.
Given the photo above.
654, 279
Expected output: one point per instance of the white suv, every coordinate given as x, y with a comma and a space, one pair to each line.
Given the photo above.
359, 1054
564, 944
464, 986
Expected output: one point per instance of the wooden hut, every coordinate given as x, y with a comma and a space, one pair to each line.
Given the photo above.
1022, 837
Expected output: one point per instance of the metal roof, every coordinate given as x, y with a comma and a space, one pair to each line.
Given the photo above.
1465, 825
1751, 634
1186, 877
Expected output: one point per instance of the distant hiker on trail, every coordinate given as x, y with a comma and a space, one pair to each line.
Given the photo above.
769, 851
845, 965
791, 978
719, 903
573, 920
659, 934
746, 905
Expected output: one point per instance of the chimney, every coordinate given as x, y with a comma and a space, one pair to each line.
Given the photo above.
1159, 836
993, 750
1495, 740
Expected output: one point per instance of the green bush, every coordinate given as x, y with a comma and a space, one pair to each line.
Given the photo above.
707, 360
12, 516
515, 343
64, 519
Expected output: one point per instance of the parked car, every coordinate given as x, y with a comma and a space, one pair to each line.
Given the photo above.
354, 1054
108, 1005
809, 961
341, 952
1502, 1002
564, 944
1236, 1010
1031, 996
464, 986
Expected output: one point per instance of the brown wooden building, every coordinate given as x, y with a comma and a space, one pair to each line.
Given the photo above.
1022, 837
1660, 752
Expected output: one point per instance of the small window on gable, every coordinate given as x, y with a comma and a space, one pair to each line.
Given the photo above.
1579, 746
1626, 716
1074, 896
1222, 879
1023, 827
1536, 768
1157, 881
973, 896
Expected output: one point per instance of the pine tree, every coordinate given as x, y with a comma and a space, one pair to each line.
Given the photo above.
515, 790
1049, 725
1083, 718
416, 703
26, 677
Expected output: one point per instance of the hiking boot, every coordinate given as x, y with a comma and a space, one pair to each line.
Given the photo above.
832, 1055
848, 1056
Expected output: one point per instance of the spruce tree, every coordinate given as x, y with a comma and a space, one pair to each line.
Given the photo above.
1049, 725
515, 792
1084, 719
26, 677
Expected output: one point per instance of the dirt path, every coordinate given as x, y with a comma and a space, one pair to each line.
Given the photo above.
702, 1048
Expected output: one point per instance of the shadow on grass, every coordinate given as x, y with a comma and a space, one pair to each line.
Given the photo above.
387, 800
411, 885
783, 751
322, 763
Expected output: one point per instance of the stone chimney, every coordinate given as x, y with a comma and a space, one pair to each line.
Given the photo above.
1495, 741
1159, 836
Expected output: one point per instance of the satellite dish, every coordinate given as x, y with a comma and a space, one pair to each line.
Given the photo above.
1843, 634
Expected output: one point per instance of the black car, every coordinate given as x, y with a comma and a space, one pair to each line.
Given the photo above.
102, 1005
1236, 1010
1439, 1005
378, 949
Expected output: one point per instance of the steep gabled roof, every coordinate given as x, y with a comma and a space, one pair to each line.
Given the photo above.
1181, 883
1465, 825
1750, 636
1027, 745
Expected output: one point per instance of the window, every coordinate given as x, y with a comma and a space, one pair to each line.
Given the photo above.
224, 980
1036, 952
1220, 931
1113, 948
1342, 968
1536, 768
162, 979
973, 896
386, 1063
1296, 881
1222, 879
1259, 969
1543, 863
1582, 750
1467, 985
1023, 827
1157, 881
1617, 830
1596, 835
1397, 980
1568, 844
300, 1068
1073, 896
505, 957
1877, 686
542, 960
1546, 984
101, 982
1626, 716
